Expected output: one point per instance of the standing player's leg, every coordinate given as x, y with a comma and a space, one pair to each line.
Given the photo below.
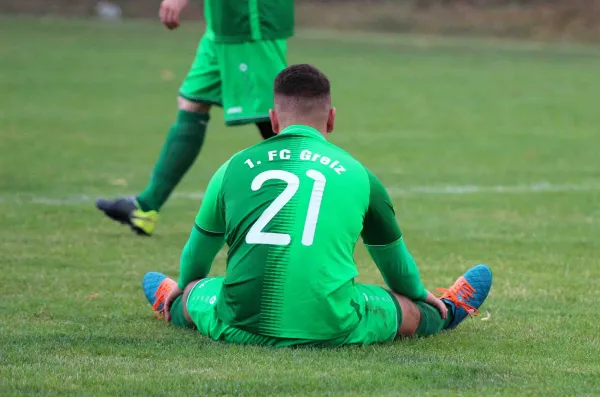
200, 89
248, 71
183, 143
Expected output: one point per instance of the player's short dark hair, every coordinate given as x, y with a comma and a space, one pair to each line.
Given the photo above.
302, 90
302, 81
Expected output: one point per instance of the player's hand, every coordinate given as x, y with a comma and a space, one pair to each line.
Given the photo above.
169, 12
438, 304
175, 292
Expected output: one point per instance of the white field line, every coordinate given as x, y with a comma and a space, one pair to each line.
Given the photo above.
472, 189
394, 192
438, 41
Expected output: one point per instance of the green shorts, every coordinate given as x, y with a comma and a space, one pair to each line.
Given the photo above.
237, 76
379, 323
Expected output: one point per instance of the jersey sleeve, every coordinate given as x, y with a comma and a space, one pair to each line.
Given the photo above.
197, 256
380, 226
208, 234
383, 239
211, 216
398, 269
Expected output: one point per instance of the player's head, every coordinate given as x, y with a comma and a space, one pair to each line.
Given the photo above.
302, 96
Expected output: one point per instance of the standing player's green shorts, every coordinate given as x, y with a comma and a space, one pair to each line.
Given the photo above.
381, 317
237, 76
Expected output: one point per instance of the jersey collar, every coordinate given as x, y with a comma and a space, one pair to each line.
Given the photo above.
302, 130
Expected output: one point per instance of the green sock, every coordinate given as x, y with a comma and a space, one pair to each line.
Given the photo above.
177, 317
431, 320
177, 155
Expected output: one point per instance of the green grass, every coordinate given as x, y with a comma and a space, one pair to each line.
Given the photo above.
83, 112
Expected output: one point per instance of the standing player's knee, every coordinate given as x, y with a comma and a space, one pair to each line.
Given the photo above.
194, 107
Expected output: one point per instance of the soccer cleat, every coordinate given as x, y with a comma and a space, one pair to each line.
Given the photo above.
126, 211
468, 293
157, 287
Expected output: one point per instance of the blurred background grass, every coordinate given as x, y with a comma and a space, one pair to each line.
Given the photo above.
573, 20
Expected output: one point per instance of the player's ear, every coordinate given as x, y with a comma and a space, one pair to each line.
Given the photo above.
331, 120
274, 121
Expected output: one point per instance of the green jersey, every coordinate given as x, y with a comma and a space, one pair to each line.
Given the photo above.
236, 21
291, 210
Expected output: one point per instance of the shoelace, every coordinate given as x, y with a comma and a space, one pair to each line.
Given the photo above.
161, 294
464, 290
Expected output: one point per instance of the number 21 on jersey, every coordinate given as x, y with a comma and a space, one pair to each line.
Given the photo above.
257, 236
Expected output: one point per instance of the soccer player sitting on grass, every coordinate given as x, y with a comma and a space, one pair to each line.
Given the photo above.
291, 210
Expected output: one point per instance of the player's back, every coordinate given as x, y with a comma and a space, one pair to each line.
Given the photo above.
294, 207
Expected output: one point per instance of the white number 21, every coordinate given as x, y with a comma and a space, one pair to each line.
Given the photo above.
257, 236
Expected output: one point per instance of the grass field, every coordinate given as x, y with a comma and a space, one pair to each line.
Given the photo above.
490, 150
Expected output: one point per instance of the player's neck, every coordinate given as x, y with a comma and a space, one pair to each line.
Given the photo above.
322, 128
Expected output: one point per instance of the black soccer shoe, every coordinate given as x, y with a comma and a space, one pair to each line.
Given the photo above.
125, 210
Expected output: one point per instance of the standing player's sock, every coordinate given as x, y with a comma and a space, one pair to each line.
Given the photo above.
431, 320
177, 155
177, 317
266, 130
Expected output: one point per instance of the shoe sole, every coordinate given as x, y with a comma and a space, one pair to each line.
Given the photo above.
124, 221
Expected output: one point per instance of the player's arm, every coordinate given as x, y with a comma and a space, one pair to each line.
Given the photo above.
207, 236
383, 239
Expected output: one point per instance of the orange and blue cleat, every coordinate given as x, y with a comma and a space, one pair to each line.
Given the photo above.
157, 287
468, 293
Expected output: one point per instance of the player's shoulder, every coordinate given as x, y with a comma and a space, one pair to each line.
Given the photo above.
350, 160
240, 157
231, 163
369, 176
241, 164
